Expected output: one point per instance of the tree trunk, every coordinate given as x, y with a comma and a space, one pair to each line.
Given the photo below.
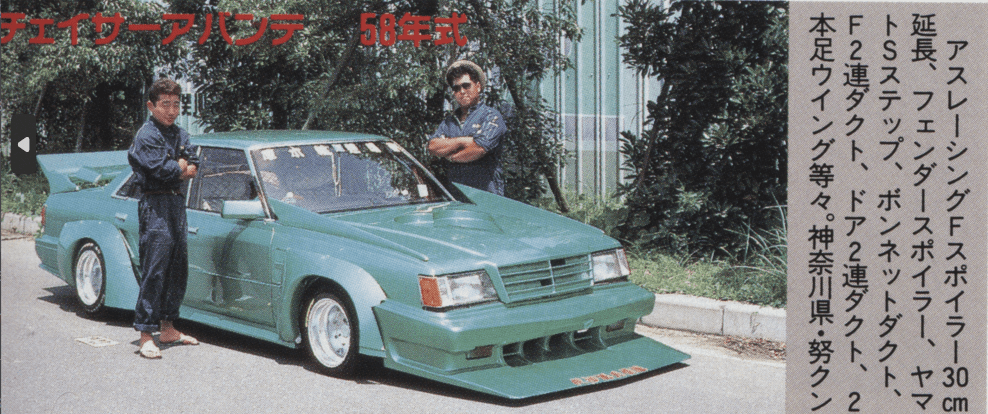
41, 97
652, 136
82, 128
351, 46
546, 165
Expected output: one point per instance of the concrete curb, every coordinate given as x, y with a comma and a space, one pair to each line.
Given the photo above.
705, 315
21, 224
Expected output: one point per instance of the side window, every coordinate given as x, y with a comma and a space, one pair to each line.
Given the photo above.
223, 175
130, 189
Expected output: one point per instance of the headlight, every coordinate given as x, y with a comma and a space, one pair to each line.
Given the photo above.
440, 292
610, 264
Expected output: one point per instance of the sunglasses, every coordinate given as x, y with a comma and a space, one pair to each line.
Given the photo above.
464, 85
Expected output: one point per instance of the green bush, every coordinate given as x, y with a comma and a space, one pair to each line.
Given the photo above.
605, 213
714, 150
22, 195
756, 273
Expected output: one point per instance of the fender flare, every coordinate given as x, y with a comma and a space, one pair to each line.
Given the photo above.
303, 268
121, 281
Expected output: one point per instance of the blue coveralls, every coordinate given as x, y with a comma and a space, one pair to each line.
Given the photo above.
486, 126
154, 157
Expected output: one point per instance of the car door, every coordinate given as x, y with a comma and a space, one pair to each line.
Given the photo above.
229, 259
124, 207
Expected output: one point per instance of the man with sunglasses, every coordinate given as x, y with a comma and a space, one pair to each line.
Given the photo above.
469, 138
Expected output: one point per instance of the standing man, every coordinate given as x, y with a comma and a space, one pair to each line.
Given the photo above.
163, 160
469, 139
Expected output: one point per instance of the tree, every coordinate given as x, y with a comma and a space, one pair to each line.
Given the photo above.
85, 96
713, 158
326, 79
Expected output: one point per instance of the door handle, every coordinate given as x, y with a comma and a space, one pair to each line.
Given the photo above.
193, 230
121, 216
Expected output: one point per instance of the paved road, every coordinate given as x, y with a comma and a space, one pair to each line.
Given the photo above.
45, 370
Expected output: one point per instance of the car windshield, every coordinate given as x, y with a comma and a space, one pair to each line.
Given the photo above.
345, 176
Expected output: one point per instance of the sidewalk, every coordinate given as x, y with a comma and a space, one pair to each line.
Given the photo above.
21, 224
705, 315
679, 312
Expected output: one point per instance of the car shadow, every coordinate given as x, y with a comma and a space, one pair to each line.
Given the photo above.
65, 298
372, 370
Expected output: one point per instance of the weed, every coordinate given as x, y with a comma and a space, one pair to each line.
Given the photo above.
756, 275
24, 194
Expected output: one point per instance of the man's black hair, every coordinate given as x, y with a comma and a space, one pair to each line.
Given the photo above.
163, 86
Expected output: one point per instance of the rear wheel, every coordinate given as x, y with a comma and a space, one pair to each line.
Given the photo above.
90, 279
330, 333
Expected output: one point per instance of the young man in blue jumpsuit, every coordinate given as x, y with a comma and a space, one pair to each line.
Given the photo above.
470, 137
163, 160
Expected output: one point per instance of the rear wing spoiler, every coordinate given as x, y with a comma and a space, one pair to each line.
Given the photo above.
65, 172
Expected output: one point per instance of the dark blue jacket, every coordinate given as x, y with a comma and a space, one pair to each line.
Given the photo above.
486, 126
154, 156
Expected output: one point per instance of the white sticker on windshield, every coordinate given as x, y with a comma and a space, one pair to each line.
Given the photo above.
268, 155
394, 147
322, 150
423, 191
296, 152
338, 148
352, 148
372, 147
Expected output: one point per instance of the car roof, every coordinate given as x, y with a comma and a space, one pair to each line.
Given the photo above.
261, 139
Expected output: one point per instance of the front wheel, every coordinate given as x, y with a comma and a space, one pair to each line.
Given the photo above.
331, 333
90, 279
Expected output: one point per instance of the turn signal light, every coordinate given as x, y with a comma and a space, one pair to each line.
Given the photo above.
430, 292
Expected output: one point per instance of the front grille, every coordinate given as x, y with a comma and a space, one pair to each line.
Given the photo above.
546, 278
553, 347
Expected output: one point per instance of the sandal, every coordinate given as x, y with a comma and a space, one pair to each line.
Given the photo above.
184, 339
150, 351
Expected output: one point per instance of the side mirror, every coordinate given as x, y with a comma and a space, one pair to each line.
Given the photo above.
243, 209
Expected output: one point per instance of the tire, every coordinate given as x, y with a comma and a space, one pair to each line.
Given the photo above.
90, 279
330, 332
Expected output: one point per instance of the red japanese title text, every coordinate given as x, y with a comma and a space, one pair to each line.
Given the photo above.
409, 27
181, 24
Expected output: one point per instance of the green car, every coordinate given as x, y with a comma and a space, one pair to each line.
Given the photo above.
347, 246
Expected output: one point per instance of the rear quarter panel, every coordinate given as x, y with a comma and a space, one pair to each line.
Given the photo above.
73, 218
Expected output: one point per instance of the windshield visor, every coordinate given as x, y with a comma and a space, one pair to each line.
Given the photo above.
326, 178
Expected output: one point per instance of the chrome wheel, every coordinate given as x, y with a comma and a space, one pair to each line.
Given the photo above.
90, 278
329, 328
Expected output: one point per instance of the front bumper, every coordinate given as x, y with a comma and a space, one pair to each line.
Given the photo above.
534, 348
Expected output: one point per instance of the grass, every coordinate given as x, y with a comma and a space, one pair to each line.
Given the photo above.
722, 280
757, 275
22, 195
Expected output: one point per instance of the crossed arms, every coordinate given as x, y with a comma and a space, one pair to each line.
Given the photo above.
456, 149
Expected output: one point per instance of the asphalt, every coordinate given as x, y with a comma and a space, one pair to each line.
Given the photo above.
672, 311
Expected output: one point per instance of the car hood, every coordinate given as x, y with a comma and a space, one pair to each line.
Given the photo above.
452, 230
459, 235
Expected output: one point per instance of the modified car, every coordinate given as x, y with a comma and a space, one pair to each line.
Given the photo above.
345, 245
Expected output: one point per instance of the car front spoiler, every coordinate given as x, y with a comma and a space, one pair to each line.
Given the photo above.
616, 363
525, 351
